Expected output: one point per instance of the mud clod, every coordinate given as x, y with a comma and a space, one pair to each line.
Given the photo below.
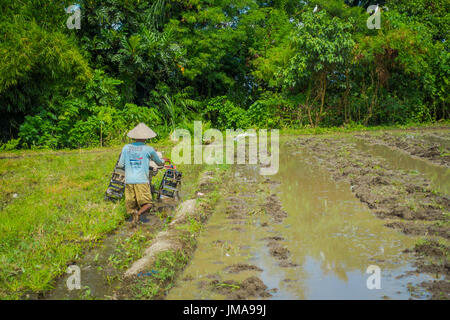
236, 268
287, 264
273, 208
279, 252
274, 238
432, 248
252, 287
440, 289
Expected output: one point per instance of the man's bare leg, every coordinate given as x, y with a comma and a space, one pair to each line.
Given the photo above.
144, 208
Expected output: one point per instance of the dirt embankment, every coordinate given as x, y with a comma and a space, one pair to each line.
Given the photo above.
417, 146
405, 200
165, 240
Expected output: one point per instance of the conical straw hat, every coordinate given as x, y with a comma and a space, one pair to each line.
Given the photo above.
141, 131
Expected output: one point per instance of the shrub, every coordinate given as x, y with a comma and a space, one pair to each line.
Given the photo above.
223, 114
10, 145
81, 125
96, 119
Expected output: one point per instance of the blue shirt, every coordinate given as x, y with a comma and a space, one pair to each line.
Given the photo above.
135, 157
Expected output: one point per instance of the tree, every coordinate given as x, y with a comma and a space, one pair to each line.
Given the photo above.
402, 62
321, 46
39, 64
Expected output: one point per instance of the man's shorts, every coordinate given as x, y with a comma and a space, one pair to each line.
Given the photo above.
136, 196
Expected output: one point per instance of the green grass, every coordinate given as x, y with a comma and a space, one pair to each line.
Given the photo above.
358, 127
127, 250
52, 209
166, 267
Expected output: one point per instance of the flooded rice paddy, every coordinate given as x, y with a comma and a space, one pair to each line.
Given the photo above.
321, 249
312, 231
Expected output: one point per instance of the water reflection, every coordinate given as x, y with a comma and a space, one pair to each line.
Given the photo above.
438, 175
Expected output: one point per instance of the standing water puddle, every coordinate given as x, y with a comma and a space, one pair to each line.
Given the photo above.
442, 138
332, 239
438, 176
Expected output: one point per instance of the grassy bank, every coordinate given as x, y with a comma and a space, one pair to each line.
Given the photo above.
358, 127
165, 142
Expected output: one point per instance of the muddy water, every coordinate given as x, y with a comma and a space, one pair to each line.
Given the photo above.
99, 279
441, 138
439, 176
331, 236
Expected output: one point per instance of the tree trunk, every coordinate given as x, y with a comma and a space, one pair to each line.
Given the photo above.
323, 87
345, 99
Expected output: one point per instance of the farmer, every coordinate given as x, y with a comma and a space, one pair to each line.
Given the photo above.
135, 157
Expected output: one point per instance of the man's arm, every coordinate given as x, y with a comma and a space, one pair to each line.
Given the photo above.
154, 157
121, 163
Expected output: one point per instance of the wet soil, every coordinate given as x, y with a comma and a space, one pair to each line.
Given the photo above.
402, 198
252, 287
279, 252
439, 176
100, 273
433, 147
434, 259
389, 193
248, 202
439, 289
273, 208
420, 229
238, 267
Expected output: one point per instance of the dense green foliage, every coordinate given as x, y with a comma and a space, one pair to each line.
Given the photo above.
234, 63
